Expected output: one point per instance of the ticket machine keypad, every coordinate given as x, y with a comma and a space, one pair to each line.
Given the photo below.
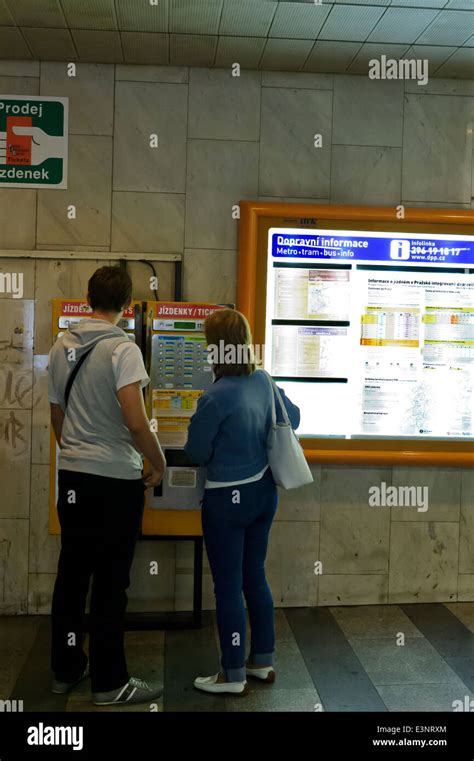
180, 361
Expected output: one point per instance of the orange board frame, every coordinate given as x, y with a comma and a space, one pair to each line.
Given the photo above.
256, 218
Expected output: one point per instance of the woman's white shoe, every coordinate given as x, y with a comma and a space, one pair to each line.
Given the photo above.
210, 684
266, 674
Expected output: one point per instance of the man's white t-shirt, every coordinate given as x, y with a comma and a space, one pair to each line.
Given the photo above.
95, 438
128, 367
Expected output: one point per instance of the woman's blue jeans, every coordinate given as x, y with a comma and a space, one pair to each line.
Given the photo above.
236, 523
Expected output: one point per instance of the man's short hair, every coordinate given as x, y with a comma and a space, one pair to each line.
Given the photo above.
110, 289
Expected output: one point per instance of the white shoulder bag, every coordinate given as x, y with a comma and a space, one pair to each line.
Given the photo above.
285, 453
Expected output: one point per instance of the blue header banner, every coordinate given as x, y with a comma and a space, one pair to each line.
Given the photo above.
345, 246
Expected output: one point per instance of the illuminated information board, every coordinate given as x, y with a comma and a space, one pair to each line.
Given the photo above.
372, 333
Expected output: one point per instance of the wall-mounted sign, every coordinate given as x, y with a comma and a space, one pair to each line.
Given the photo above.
33, 141
390, 248
181, 316
371, 333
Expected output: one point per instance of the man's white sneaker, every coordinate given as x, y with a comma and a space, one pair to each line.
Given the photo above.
266, 674
210, 684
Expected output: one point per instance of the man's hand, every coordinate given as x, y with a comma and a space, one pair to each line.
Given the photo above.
57, 420
153, 478
134, 415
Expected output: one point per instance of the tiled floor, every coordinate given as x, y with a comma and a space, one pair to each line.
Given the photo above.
365, 658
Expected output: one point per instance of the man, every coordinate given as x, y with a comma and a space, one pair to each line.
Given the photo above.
102, 429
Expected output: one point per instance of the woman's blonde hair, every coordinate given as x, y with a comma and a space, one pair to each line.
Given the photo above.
229, 337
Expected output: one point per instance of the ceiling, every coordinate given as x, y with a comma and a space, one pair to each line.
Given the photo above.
288, 35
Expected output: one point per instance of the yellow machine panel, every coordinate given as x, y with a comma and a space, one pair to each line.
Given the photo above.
176, 360
171, 334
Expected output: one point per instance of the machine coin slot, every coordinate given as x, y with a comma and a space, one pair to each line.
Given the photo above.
177, 458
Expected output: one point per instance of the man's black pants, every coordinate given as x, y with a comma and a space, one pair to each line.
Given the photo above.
100, 521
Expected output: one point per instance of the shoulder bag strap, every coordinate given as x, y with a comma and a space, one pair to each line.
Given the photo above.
73, 374
270, 381
117, 339
282, 404
276, 391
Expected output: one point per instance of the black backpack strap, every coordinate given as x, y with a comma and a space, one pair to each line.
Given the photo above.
117, 340
72, 376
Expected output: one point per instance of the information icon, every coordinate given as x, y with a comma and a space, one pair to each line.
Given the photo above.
399, 249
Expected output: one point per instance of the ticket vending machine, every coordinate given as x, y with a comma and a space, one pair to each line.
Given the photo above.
65, 314
176, 360
171, 334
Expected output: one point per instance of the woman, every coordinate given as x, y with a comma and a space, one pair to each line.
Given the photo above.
228, 435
